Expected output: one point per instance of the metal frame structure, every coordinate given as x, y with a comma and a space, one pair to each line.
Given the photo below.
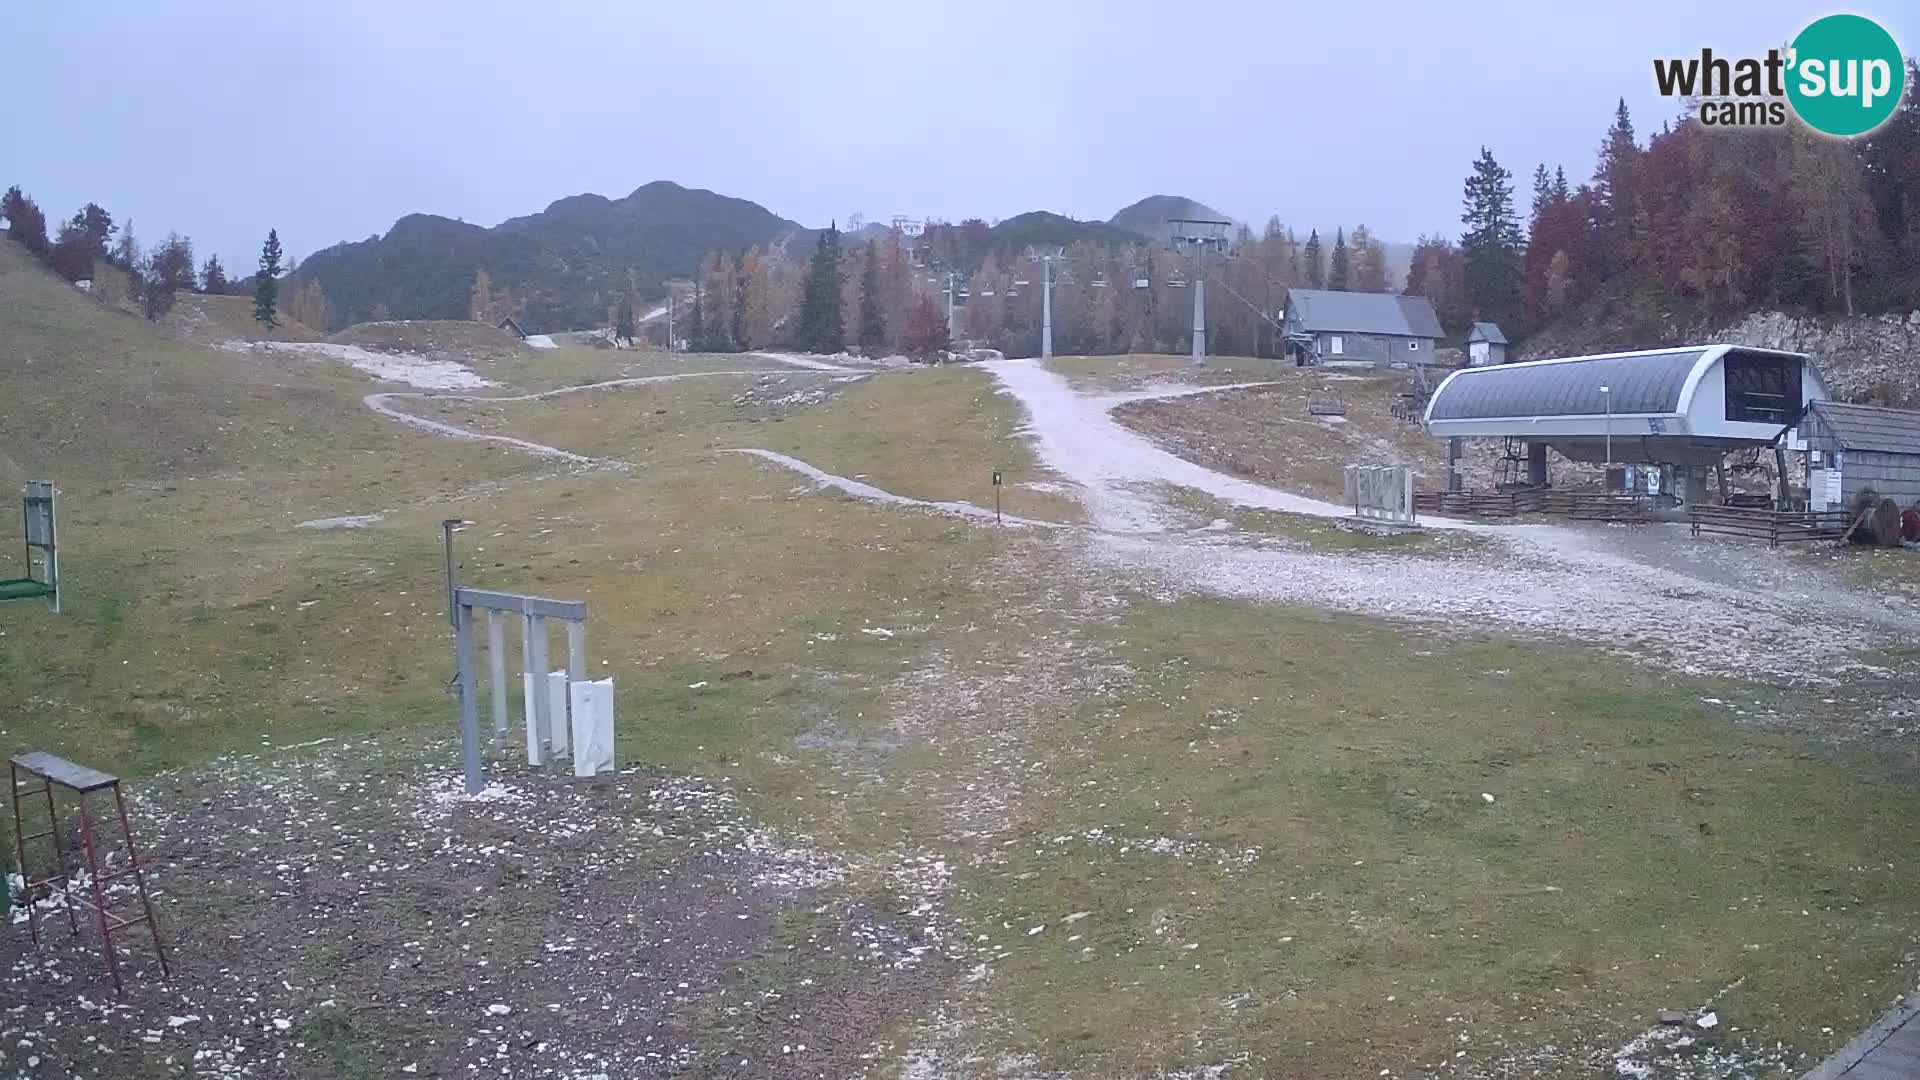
54, 772
39, 512
546, 734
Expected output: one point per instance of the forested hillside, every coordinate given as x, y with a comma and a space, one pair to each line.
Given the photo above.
555, 270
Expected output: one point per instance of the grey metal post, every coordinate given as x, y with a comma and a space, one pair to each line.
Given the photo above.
1453, 464
1046, 308
469, 714
1200, 313
447, 529
949, 305
497, 660
1606, 393
542, 714
536, 752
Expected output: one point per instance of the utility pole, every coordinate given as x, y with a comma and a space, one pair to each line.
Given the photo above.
1200, 313
669, 316
949, 305
1046, 307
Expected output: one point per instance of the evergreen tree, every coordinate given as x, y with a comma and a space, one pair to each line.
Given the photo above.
98, 226
1313, 268
213, 277
873, 327
126, 252
1615, 202
1490, 246
821, 328
1542, 192
266, 282
72, 254
623, 319
26, 225
1340, 272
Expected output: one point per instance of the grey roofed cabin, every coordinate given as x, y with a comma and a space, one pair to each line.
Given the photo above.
1861, 448
1325, 325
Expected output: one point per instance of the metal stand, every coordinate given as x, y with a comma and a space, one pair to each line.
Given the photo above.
54, 772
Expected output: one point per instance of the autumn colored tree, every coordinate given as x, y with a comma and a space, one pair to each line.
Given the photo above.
1368, 262
926, 337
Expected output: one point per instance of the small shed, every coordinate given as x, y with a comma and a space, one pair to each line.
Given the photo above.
1858, 448
1486, 345
512, 327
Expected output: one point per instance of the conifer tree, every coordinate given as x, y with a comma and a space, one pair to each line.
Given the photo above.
873, 327
821, 328
1339, 272
266, 282
1314, 269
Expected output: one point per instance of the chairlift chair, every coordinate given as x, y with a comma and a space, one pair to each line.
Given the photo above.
38, 510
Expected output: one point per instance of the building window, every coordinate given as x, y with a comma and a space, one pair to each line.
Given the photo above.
1413, 346
1336, 344
1762, 389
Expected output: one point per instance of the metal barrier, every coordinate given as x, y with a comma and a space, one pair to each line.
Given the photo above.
1776, 527
1381, 493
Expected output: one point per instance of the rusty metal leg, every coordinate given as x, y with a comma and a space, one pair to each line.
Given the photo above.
20, 852
60, 861
99, 896
140, 881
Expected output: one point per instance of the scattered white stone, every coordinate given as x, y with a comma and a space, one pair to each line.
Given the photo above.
498, 1009
1486, 797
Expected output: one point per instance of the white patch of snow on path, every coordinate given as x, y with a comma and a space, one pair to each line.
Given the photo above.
410, 368
380, 403
541, 341
880, 495
350, 521
796, 360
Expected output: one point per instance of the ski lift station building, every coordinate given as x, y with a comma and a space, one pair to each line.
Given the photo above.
1684, 408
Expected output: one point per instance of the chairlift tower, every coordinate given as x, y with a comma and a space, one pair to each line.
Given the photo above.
1046, 259
1199, 239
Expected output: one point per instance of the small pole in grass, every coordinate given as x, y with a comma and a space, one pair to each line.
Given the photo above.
447, 529
996, 496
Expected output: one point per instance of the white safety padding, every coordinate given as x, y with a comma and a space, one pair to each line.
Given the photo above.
592, 726
532, 715
557, 712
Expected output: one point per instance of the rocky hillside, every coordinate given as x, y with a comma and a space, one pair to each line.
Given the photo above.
1866, 358
563, 264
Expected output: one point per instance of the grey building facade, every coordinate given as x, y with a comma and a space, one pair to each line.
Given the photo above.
1380, 328
1486, 345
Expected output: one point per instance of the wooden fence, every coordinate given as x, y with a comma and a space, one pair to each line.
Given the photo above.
1776, 527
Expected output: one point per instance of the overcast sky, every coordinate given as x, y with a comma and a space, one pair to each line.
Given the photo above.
330, 120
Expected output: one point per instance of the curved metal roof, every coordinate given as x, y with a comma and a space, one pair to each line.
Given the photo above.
1652, 382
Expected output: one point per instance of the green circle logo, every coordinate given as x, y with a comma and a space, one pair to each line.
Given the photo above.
1847, 75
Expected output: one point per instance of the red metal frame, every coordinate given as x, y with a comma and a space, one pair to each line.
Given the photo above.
97, 882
